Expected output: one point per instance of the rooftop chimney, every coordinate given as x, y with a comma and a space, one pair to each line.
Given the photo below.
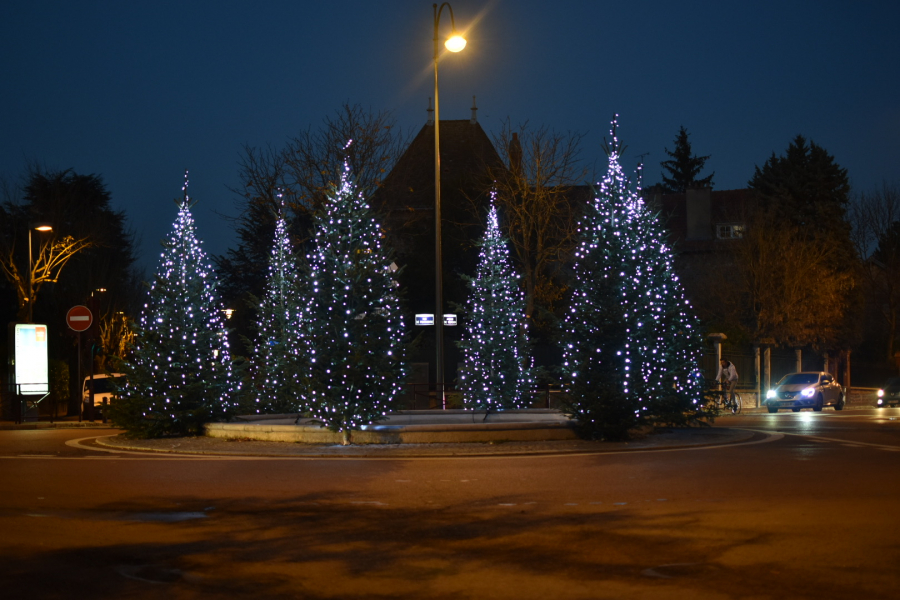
430, 113
474, 118
515, 154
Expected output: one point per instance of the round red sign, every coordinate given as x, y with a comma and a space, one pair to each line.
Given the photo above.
79, 318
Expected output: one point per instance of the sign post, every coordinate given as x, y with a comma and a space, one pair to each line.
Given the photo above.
79, 319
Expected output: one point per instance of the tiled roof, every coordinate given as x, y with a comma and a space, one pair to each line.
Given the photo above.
465, 150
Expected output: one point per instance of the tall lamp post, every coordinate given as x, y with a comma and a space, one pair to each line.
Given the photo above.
454, 43
37, 227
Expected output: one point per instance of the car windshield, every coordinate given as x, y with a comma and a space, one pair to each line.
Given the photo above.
102, 385
799, 379
893, 382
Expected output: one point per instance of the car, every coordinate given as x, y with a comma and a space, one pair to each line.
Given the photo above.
806, 389
889, 395
104, 388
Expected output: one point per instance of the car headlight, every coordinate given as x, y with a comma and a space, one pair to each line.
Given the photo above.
881, 393
770, 394
808, 392
880, 402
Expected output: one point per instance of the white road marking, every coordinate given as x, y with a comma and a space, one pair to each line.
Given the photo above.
843, 442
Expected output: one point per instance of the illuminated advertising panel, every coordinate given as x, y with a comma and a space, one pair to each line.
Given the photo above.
32, 377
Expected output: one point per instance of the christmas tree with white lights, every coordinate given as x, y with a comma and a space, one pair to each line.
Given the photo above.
496, 372
352, 329
632, 341
279, 363
667, 339
180, 376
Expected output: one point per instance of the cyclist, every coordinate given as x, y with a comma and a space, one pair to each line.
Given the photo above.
728, 376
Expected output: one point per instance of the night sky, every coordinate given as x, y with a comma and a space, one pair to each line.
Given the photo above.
139, 91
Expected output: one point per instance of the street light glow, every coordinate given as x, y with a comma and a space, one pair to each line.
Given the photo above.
455, 43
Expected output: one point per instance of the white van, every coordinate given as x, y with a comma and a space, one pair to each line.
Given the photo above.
104, 390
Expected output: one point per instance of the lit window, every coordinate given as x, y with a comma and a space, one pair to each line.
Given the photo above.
730, 231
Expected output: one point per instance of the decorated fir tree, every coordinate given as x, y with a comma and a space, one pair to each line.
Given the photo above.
180, 376
279, 364
597, 355
496, 371
632, 341
352, 329
666, 337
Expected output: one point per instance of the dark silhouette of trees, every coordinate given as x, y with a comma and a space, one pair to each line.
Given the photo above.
875, 217
808, 188
304, 171
78, 207
99, 270
684, 167
802, 220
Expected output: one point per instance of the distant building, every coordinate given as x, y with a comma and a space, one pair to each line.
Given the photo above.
406, 199
704, 225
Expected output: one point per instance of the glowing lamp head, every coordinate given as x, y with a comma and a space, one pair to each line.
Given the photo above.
455, 43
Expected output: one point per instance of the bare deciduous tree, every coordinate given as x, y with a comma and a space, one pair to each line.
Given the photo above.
538, 212
303, 171
791, 288
875, 217
45, 267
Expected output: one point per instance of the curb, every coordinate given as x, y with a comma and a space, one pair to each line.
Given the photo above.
675, 439
398, 434
8, 426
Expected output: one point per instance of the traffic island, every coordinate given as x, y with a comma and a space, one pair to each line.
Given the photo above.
408, 427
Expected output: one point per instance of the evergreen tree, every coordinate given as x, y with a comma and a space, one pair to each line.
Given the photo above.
596, 355
807, 188
279, 363
632, 341
352, 321
684, 167
807, 191
305, 168
496, 371
180, 376
666, 336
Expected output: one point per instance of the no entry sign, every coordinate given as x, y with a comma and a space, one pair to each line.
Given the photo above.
79, 318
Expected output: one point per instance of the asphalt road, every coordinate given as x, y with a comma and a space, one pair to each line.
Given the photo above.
806, 509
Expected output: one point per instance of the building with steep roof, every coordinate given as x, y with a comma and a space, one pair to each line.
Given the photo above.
406, 199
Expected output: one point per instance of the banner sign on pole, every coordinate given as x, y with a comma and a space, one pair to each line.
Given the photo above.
428, 319
423, 319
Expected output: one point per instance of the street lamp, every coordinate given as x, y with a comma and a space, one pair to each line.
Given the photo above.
38, 227
454, 43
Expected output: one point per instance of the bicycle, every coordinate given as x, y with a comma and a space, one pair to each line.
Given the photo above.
722, 402
732, 404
